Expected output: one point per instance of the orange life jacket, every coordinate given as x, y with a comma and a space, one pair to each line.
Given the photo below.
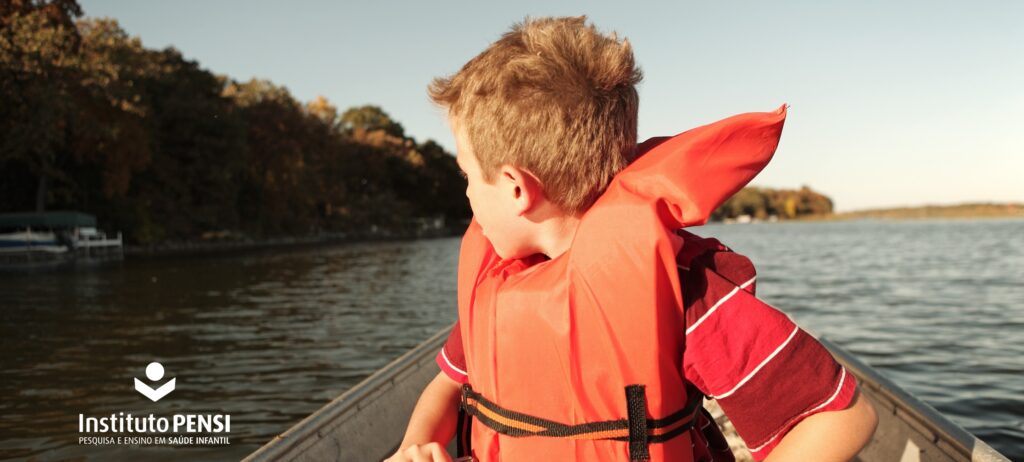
560, 340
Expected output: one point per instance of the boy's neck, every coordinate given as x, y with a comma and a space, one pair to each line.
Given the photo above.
555, 235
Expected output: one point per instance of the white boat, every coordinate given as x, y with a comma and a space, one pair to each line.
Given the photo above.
30, 241
52, 237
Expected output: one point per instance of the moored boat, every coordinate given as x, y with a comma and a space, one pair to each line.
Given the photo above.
53, 236
30, 240
368, 421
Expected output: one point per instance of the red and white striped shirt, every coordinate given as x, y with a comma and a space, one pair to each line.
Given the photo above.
766, 373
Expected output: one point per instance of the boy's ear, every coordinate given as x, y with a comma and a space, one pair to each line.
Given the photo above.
522, 188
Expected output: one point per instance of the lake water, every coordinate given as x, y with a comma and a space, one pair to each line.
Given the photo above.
268, 337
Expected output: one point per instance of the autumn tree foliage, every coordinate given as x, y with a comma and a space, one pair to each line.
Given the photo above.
762, 203
163, 149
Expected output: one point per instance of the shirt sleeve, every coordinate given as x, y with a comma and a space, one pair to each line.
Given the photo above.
766, 373
451, 359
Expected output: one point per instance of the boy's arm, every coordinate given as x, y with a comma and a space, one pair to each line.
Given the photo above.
829, 436
774, 381
432, 421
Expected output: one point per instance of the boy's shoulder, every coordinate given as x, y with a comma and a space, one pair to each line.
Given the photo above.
711, 253
708, 267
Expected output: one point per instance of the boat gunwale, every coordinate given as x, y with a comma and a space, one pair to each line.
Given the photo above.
905, 405
923, 418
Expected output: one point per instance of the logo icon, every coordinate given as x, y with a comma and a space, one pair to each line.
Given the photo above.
154, 372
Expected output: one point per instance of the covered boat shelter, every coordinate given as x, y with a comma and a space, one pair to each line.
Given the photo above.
46, 220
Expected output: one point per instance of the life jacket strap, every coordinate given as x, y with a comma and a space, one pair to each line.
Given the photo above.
463, 433
637, 429
636, 410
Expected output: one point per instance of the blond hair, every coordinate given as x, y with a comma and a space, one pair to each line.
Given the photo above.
555, 97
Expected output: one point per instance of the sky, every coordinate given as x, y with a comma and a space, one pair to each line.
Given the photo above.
891, 103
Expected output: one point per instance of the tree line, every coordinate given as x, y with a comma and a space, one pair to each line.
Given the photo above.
763, 203
164, 150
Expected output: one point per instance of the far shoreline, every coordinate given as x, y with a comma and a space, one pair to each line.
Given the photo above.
199, 247
982, 211
958, 211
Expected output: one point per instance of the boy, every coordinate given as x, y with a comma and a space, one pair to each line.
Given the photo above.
589, 327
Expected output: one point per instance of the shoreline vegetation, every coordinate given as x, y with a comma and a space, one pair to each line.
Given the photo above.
965, 211
226, 242
176, 156
220, 244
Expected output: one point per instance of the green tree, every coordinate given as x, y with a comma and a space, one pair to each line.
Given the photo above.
324, 111
40, 73
58, 12
71, 117
278, 196
110, 137
371, 118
